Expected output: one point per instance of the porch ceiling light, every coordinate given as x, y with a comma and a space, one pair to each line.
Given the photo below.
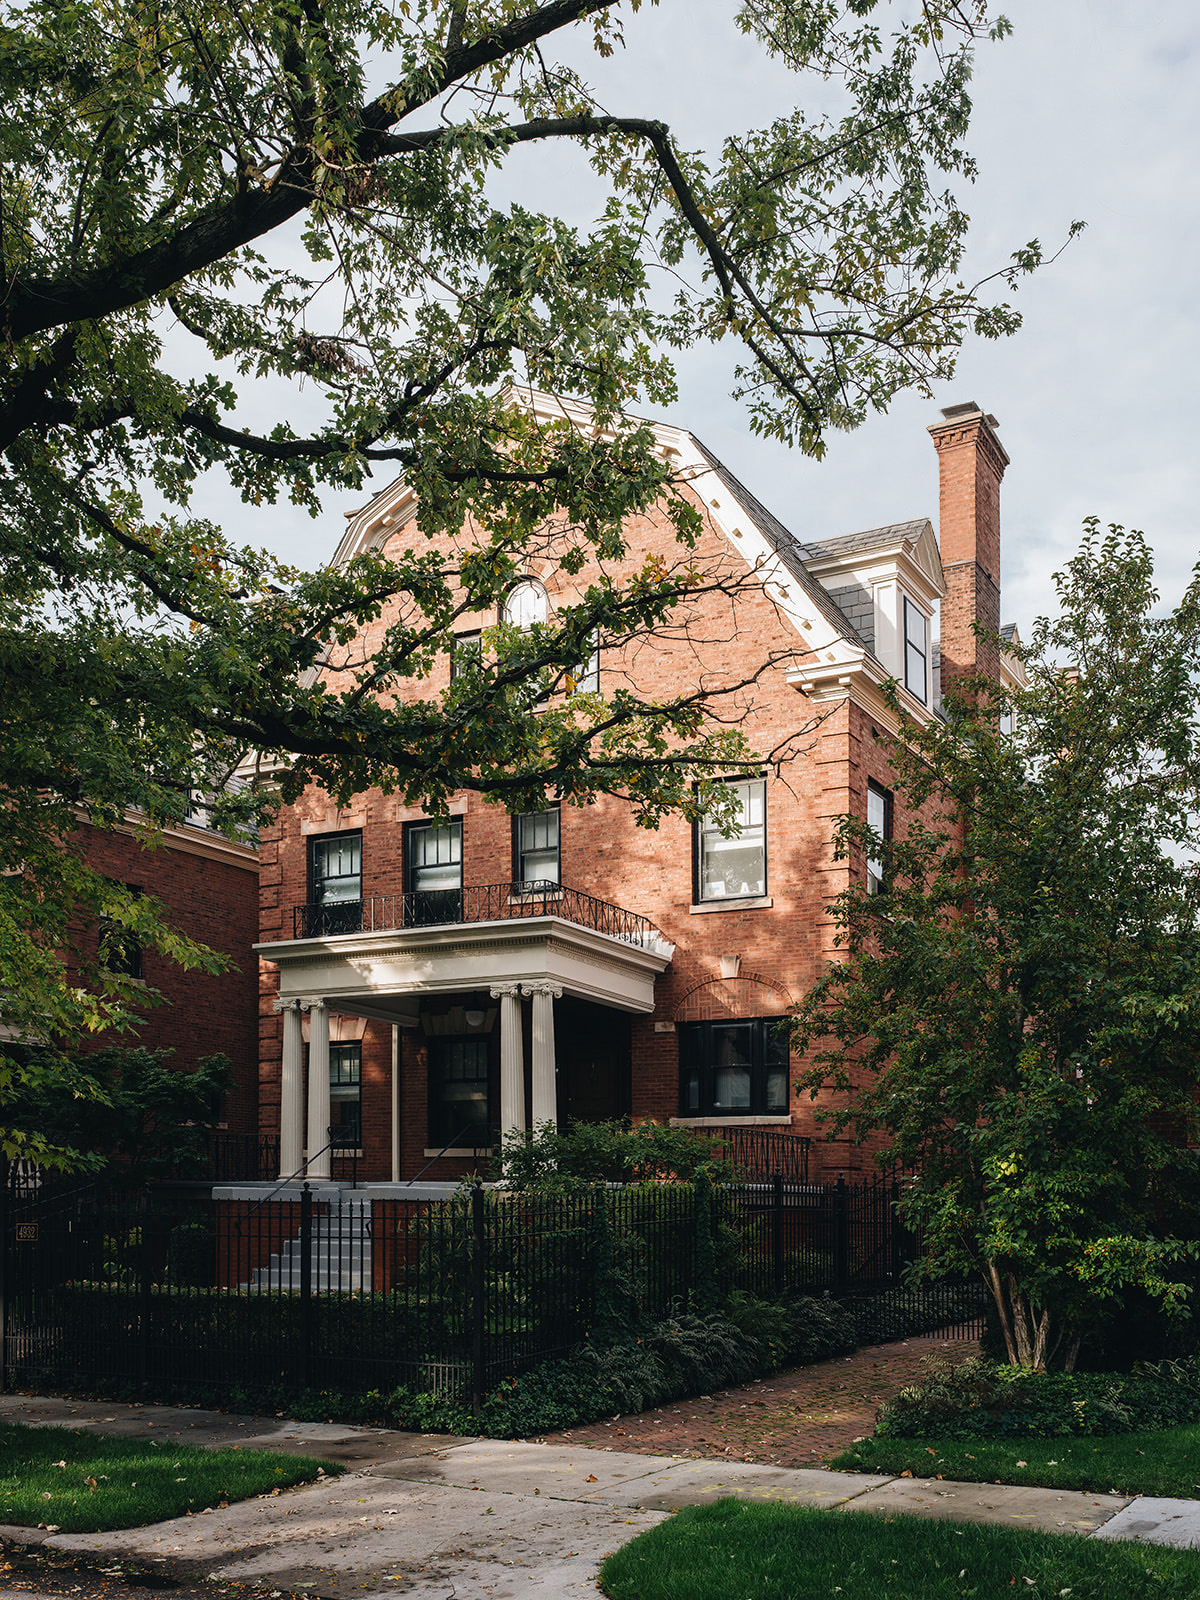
474, 1018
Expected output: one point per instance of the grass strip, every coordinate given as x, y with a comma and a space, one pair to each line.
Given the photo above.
739, 1551
1165, 1462
79, 1482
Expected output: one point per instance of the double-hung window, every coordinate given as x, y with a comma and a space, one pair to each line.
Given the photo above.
458, 1093
733, 1069
345, 1095
879, 820
537, 848
433, 866
120, 949
916, 651
733, 864
335, 883
466, 653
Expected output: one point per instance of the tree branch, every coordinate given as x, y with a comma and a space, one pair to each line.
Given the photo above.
230, 223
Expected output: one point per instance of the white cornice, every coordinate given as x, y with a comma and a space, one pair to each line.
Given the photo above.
721, 505
862, 682
425, 944
917, 563
816, 631
382, 515
201, 842
189, 841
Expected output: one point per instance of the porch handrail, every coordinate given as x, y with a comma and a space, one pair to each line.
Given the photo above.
761, 1153
446, 1148
483, 902
291, 1178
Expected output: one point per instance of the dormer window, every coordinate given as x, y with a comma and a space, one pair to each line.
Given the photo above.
916, 651
525, 604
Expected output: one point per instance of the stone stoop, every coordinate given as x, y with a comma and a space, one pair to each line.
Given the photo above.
340, 1251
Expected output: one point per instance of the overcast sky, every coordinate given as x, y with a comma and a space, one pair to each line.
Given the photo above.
1090, 110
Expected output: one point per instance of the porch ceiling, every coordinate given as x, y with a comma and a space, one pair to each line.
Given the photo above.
383, 974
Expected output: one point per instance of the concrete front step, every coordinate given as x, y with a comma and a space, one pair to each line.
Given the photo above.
340, 1253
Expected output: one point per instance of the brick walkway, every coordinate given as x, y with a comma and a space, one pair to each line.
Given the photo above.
798, 1418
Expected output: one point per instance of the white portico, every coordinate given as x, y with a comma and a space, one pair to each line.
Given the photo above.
384, 974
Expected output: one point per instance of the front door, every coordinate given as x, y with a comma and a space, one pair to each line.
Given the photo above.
592, 1048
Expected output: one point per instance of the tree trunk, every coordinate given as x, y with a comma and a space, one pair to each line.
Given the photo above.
1026, 1331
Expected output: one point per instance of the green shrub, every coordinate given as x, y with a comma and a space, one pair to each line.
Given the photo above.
551, 1161
192, 1254
978, 1399
793, 1331
677, 1356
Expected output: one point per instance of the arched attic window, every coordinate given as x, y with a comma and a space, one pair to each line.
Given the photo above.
524, 604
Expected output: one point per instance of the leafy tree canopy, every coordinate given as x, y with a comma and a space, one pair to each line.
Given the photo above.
1020, 1009
201, 198
125, 1114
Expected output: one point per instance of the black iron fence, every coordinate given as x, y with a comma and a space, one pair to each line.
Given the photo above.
484, 902
357, 1293
241, 1157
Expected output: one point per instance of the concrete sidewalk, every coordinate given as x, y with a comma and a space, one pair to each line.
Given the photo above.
432, 1518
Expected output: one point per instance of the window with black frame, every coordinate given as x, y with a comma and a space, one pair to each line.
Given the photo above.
120, 949
731, 861
335, 880
537, 848
733, 1069
458, 1093
433, 867
345, 1096
879, 820
916, 651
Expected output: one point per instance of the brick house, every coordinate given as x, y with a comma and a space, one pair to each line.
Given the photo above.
424, 985
208, 886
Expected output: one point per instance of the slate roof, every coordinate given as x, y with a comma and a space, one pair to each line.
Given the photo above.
868, 539
787, 547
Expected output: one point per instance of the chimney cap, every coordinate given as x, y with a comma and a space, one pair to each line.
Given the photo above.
967, 408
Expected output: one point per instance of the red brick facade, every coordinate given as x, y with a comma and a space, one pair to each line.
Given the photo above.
731, 961
209, 888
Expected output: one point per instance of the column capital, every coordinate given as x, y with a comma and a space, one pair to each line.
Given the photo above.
498, 991
280, 1004
554, 990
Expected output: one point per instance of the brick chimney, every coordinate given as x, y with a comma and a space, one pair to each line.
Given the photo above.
971, 462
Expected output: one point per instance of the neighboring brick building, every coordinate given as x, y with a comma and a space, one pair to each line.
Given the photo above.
500, 971
209, 888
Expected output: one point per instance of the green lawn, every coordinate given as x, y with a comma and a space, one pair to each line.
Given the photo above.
1166, 1462
735, 1551
79, 1482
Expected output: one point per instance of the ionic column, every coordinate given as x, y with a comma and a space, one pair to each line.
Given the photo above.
545, 1085
291, 1090
318, 1089
512, 1058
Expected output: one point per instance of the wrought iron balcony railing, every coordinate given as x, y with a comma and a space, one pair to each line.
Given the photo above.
485, 902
